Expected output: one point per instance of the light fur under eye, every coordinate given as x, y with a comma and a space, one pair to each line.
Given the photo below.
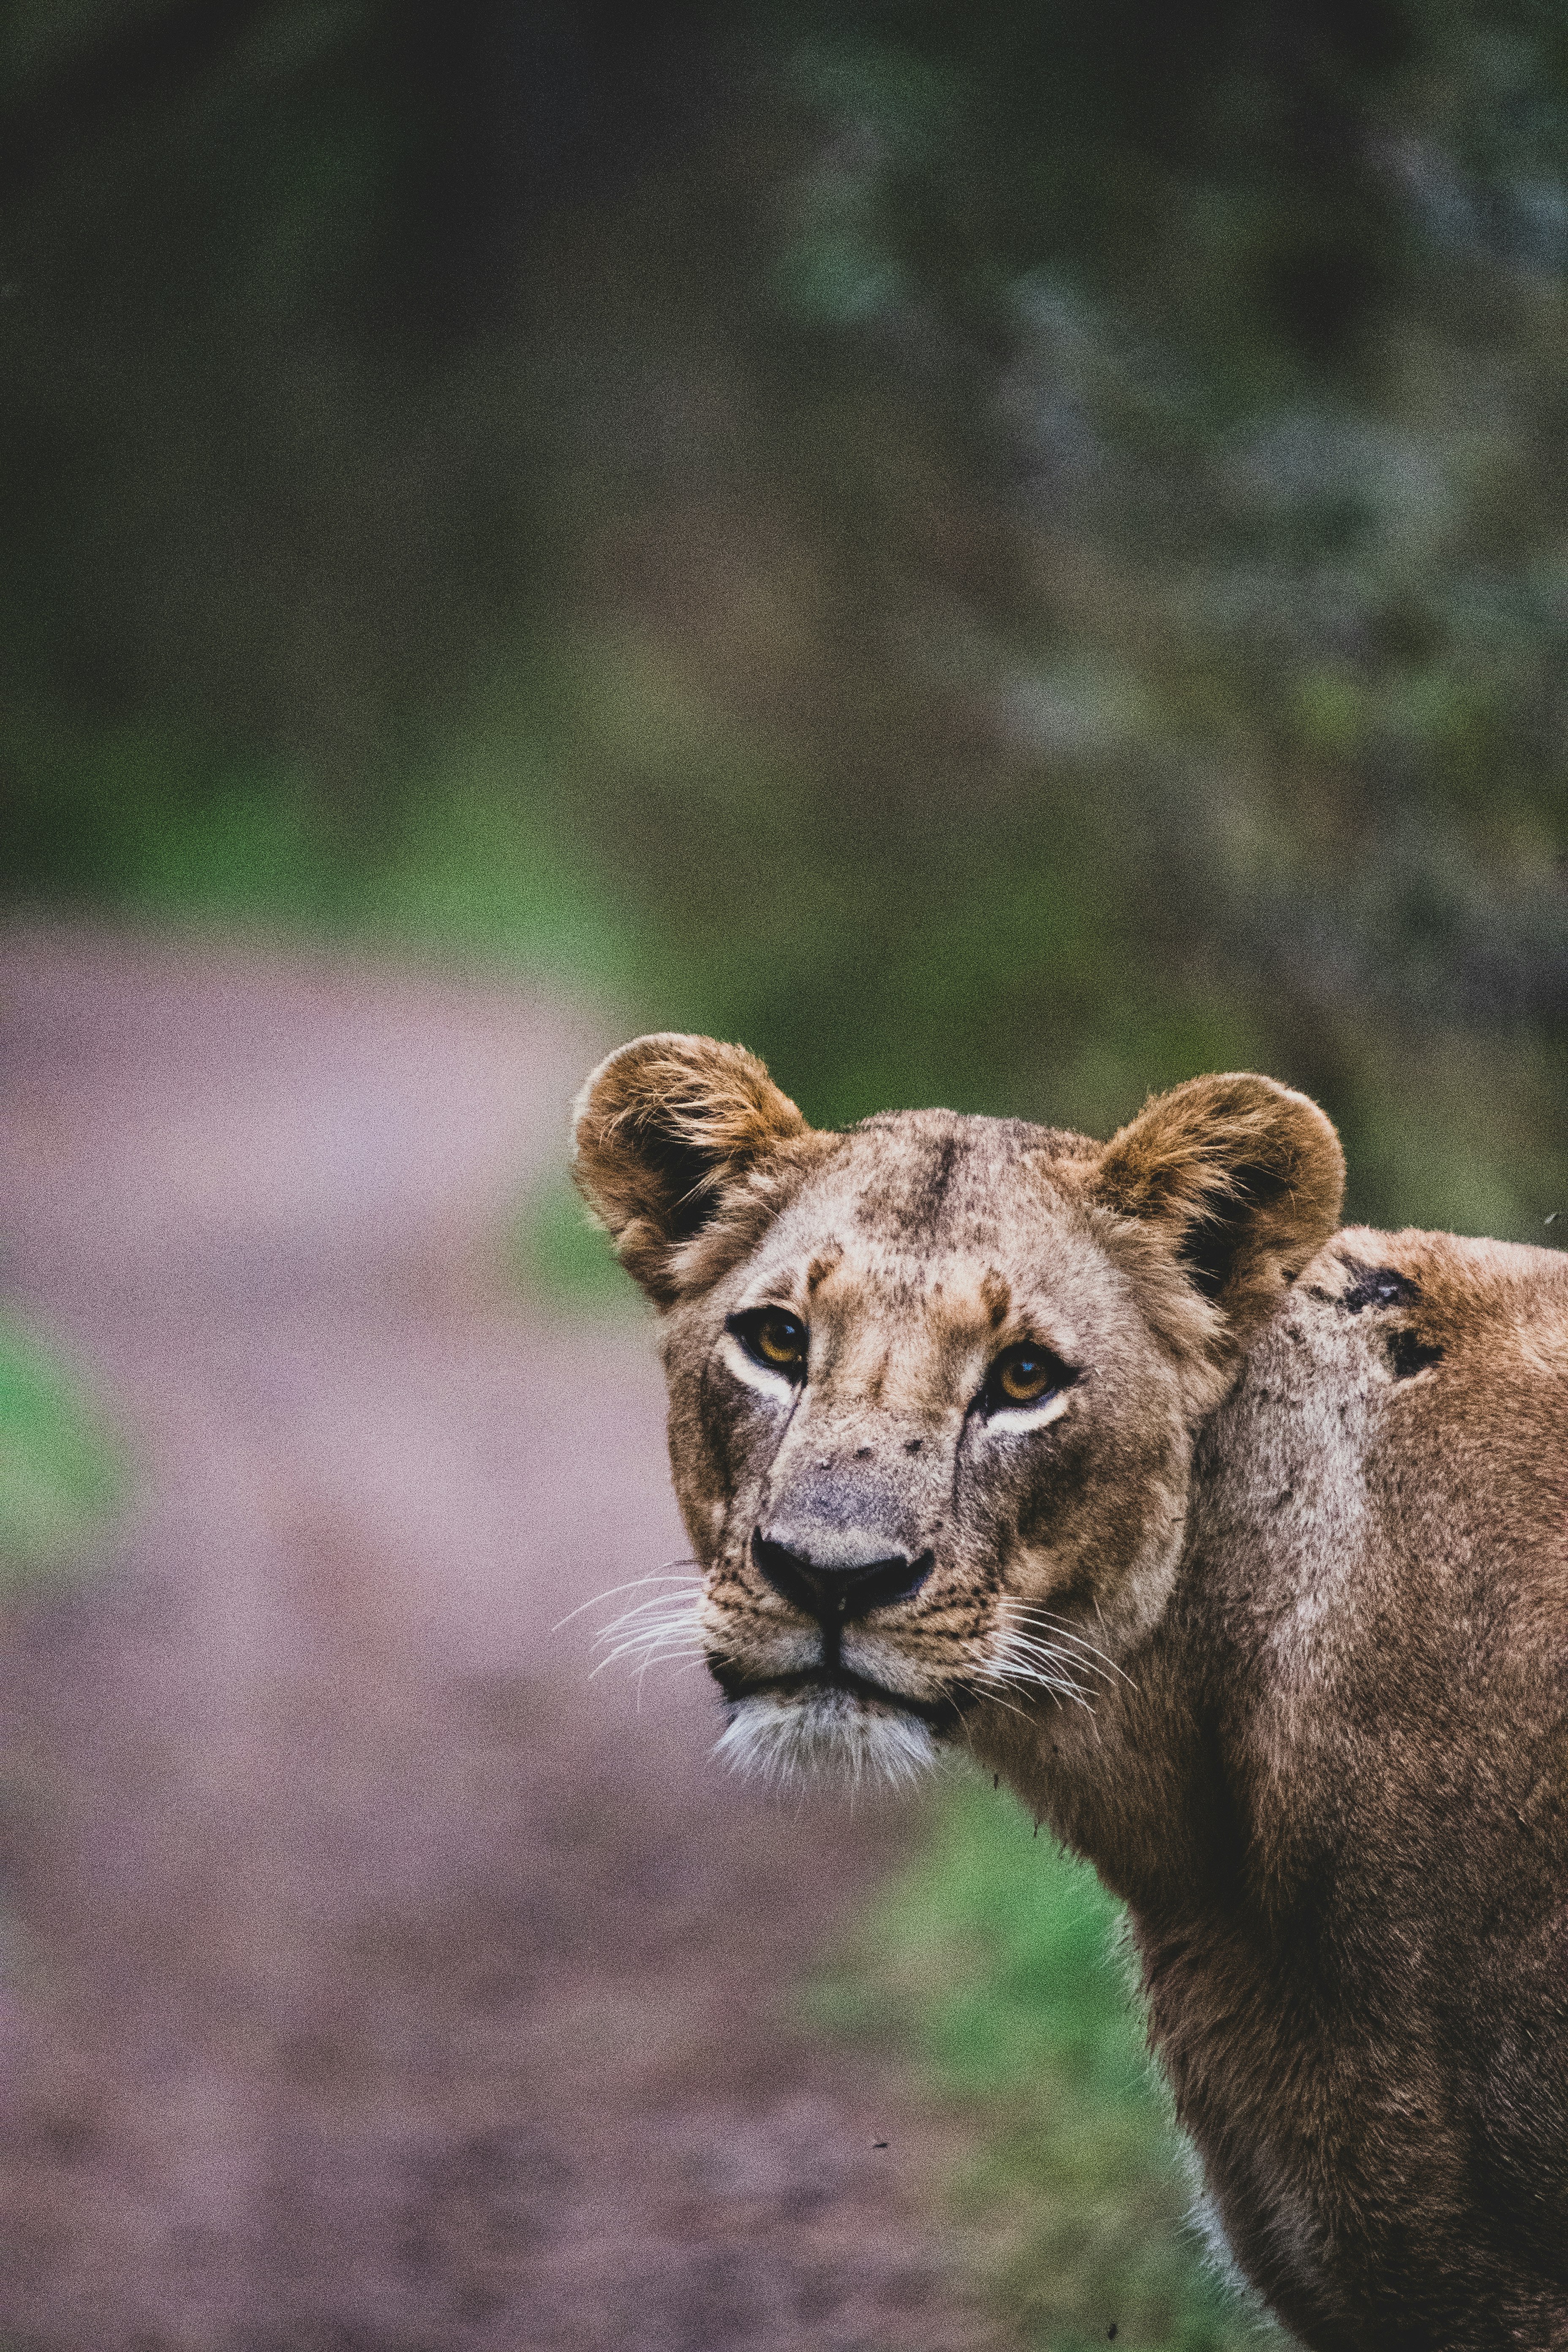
1017, 1418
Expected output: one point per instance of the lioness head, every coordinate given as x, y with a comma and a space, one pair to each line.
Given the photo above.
935, 1381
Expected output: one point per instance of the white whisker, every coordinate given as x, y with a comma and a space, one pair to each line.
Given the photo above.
1055, 1628
649, 1658
1018, 1670
1062, 1629
993, 1697
661, 1629
1018, 1657
1020, 1650
666, 1611
661, 1633
652, 1645
665, 1575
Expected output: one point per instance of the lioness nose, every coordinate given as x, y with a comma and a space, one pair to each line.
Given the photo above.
841, 1589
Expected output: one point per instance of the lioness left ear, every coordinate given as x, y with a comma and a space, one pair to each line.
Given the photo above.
1245, 1177
665, 1135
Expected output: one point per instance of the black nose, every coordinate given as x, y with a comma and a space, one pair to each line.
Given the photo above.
839, 1595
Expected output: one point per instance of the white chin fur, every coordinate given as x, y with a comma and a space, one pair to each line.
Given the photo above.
831, 1736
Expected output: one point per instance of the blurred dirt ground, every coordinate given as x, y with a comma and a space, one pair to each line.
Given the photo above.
372, 1981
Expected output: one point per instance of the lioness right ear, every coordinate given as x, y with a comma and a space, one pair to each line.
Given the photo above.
663, 1134
1244, 1177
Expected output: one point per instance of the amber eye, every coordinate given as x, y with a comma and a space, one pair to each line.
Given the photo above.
774, 1338
1024, 1374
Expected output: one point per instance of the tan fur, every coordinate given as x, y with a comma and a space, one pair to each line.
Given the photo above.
1263, 1605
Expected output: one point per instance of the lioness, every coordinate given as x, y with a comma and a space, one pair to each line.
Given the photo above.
1237, 1544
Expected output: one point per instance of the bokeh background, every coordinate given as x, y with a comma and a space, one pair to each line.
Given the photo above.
1003, 555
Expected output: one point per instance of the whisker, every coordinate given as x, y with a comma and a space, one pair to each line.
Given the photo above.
672, 1648
683, 1635
665, 1575
649, 1658
1068, 1693
683, 1660
665, 1609
993, 1697
640, 1676
650, 1638
1034, 1638
684, 1613
634, 1629
1030, 1655
1062, 1629
648, 1651
1008, 1665
683, 1584
1029, 1658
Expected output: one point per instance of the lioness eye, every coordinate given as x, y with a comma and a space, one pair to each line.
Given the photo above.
1023, 1375
774, 1338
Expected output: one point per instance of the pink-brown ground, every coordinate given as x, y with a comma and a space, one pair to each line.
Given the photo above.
373, 1979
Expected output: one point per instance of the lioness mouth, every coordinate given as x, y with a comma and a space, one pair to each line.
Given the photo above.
941, 1714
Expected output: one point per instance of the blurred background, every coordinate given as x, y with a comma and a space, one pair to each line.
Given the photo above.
1003, 555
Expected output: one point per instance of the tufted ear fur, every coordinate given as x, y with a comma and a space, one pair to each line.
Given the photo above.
665, 1135
1244, 1178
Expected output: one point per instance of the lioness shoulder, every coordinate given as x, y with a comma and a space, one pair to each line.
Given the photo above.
1236, 1542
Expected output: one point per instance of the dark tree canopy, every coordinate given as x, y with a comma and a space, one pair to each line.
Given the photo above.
1005, 553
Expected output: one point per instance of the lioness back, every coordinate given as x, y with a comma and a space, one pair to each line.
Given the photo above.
1379, 1537
1236, 1544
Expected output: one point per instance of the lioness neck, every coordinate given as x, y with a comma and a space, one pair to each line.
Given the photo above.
1134, 1783
1304, 1583
1333, 1793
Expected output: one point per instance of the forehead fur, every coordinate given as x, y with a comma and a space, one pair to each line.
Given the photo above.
918, 1205
925, 1179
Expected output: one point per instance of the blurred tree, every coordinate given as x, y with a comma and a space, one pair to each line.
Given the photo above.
1022, 547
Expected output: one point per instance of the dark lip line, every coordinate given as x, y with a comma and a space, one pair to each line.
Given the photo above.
942, 1714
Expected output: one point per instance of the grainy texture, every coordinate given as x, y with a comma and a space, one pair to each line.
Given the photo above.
374, 1980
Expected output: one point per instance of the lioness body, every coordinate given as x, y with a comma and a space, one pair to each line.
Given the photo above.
1241, 1551
1357, 1973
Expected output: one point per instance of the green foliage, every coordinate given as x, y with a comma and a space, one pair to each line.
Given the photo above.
1026, 564
994, 1959
59, 1476
473, 856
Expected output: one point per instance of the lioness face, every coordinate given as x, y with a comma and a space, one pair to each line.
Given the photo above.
927, 1449
933, 1384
